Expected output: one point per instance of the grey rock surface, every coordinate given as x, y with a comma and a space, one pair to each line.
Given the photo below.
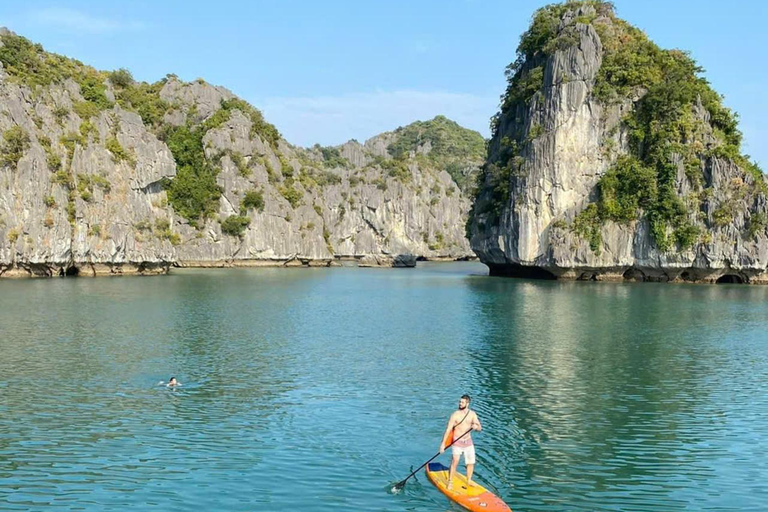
97, 213
37, 237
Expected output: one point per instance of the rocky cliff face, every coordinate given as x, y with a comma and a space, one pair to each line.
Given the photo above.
101, 175
613, 159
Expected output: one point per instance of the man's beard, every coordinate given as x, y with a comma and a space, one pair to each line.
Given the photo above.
461, 408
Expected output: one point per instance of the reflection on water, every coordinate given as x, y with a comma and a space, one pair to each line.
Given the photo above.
314, 389
609, 391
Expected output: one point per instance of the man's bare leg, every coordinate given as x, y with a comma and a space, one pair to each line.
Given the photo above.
470, 470
452, 471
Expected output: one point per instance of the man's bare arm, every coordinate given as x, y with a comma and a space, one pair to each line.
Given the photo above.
476, 422
451, 424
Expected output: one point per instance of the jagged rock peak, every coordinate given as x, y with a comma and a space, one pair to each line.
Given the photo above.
613, 158
102, 174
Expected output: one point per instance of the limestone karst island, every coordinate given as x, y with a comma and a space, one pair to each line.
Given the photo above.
610, 158
383, 256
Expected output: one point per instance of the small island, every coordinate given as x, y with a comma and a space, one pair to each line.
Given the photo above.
614, 159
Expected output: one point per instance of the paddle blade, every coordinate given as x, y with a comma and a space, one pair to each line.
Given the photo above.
399, 486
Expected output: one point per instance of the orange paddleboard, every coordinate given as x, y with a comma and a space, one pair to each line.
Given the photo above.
477, 498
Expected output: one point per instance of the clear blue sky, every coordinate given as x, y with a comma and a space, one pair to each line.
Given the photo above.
327, 71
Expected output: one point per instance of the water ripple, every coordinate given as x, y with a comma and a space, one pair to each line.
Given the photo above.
313, 390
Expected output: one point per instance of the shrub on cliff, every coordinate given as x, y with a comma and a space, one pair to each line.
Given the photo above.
627, 188
234, 225
119, 153
85, 109
290, 193
253, 199
193, 192
92, 89
15, 144
259, 126
144, 99
332, 157
121, 78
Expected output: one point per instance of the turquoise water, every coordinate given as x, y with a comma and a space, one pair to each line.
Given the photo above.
315, 389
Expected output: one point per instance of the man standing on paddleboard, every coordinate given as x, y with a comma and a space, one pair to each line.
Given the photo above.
460, 423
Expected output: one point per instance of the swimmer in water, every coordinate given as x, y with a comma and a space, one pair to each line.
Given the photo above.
172, 382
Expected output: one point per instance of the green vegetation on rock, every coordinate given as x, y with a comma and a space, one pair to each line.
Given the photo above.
235, 225
310, 177
85, 187
664, 128
87, 129
162, 230
332, 157
94, 91
102, 182
239, 161
15, 143
290, 192
121, 78
53, 160
396, 168
327, 238
253, 200
70, 141
447, 138
525, 81
451, 147
193, 193
31, 65
119, 153
286, 169
142, 98
525, 75
86, 109
757, 225
259, 126
61, 114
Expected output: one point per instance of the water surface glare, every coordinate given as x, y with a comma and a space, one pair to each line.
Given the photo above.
316, 389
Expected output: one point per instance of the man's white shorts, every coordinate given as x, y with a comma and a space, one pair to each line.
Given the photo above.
467, 451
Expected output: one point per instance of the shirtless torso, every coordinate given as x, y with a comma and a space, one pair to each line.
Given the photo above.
461, 422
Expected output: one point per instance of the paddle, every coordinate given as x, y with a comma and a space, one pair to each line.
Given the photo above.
400, 485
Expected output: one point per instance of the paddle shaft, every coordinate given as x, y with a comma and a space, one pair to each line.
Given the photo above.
401, 484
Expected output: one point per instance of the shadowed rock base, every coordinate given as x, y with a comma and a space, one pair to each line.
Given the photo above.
368, 260
634, 274
83, 269
514, 270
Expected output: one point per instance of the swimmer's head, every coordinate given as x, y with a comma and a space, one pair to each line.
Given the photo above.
172, 381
